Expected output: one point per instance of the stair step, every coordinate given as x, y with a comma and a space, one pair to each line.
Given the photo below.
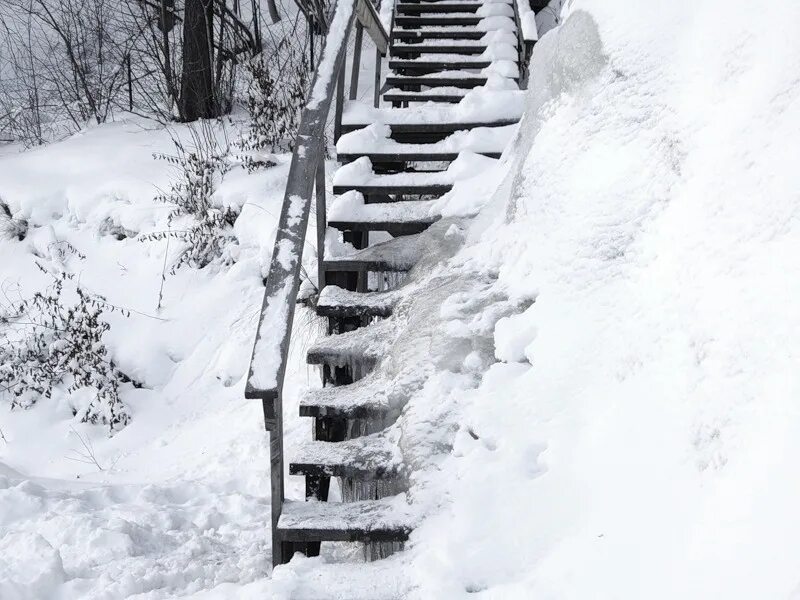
338, 302
380, 150
429, 66
434, 34
403, 157
368, 457
384, 520
405, 97
392, 189
437, 128
363, 347
396, 218
449, 21
437, 7
364, 399
467, 81
402, 49
397, 255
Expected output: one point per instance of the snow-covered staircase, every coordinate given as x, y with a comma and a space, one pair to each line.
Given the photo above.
452, 94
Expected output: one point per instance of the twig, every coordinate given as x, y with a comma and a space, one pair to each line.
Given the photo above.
86, 456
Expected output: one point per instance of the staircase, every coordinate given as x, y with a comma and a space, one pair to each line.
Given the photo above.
455, 72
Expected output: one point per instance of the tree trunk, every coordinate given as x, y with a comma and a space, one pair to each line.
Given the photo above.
197, 78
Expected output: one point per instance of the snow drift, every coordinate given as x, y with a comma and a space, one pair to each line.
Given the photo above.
639, 436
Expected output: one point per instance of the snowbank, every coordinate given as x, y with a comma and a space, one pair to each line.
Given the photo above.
639, 436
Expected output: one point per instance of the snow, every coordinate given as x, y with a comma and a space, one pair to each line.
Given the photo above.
182, 502
477, 106
637, 437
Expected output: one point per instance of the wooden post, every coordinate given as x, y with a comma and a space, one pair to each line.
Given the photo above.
275, 427
322, 223
356, 61
378, 65
337, 123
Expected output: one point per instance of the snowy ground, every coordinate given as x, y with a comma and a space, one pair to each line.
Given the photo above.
182, 502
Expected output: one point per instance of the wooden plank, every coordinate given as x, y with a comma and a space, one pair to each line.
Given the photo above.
405, 189
436, 128
437, 21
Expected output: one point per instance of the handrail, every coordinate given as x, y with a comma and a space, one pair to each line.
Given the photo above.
271, 348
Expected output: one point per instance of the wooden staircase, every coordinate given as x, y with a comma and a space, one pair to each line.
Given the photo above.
395, 159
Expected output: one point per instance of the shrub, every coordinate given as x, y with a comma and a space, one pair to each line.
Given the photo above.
48, 341
200, 167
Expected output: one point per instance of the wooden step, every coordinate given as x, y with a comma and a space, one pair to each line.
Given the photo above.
433, 34
429, 66
468, 81
402, 189
364, 399
400, 158
362, 347
397, 255
454, 21
384, 520
366, 458
407, 8
338, 302
405, 97
396, 218
434, 128
405, 49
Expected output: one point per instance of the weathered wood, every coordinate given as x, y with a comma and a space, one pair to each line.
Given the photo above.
337, 119
408, 8
399, 160
371, 21
322, 219
356, 61
422, 34
377, 83
410, 189
449, 128
429, 66
436, 21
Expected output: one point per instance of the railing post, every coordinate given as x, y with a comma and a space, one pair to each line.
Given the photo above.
356, 61
337, 123
322, 222
378, 65
275, 427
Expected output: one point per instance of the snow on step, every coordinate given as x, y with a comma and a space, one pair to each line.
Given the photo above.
349, 212
375, 142
481, 106
363, 347
451, 24
387, 519
482, 39
366, 398
441, 9
490, 53
339, 302
358, 175
397, 255
368, 457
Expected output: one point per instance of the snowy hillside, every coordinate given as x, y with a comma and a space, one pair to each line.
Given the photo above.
638, 438
599, 353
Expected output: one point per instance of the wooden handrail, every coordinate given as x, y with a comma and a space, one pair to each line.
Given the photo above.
271, 348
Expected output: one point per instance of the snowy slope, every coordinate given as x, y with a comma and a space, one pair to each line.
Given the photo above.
183, 501
639, 436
